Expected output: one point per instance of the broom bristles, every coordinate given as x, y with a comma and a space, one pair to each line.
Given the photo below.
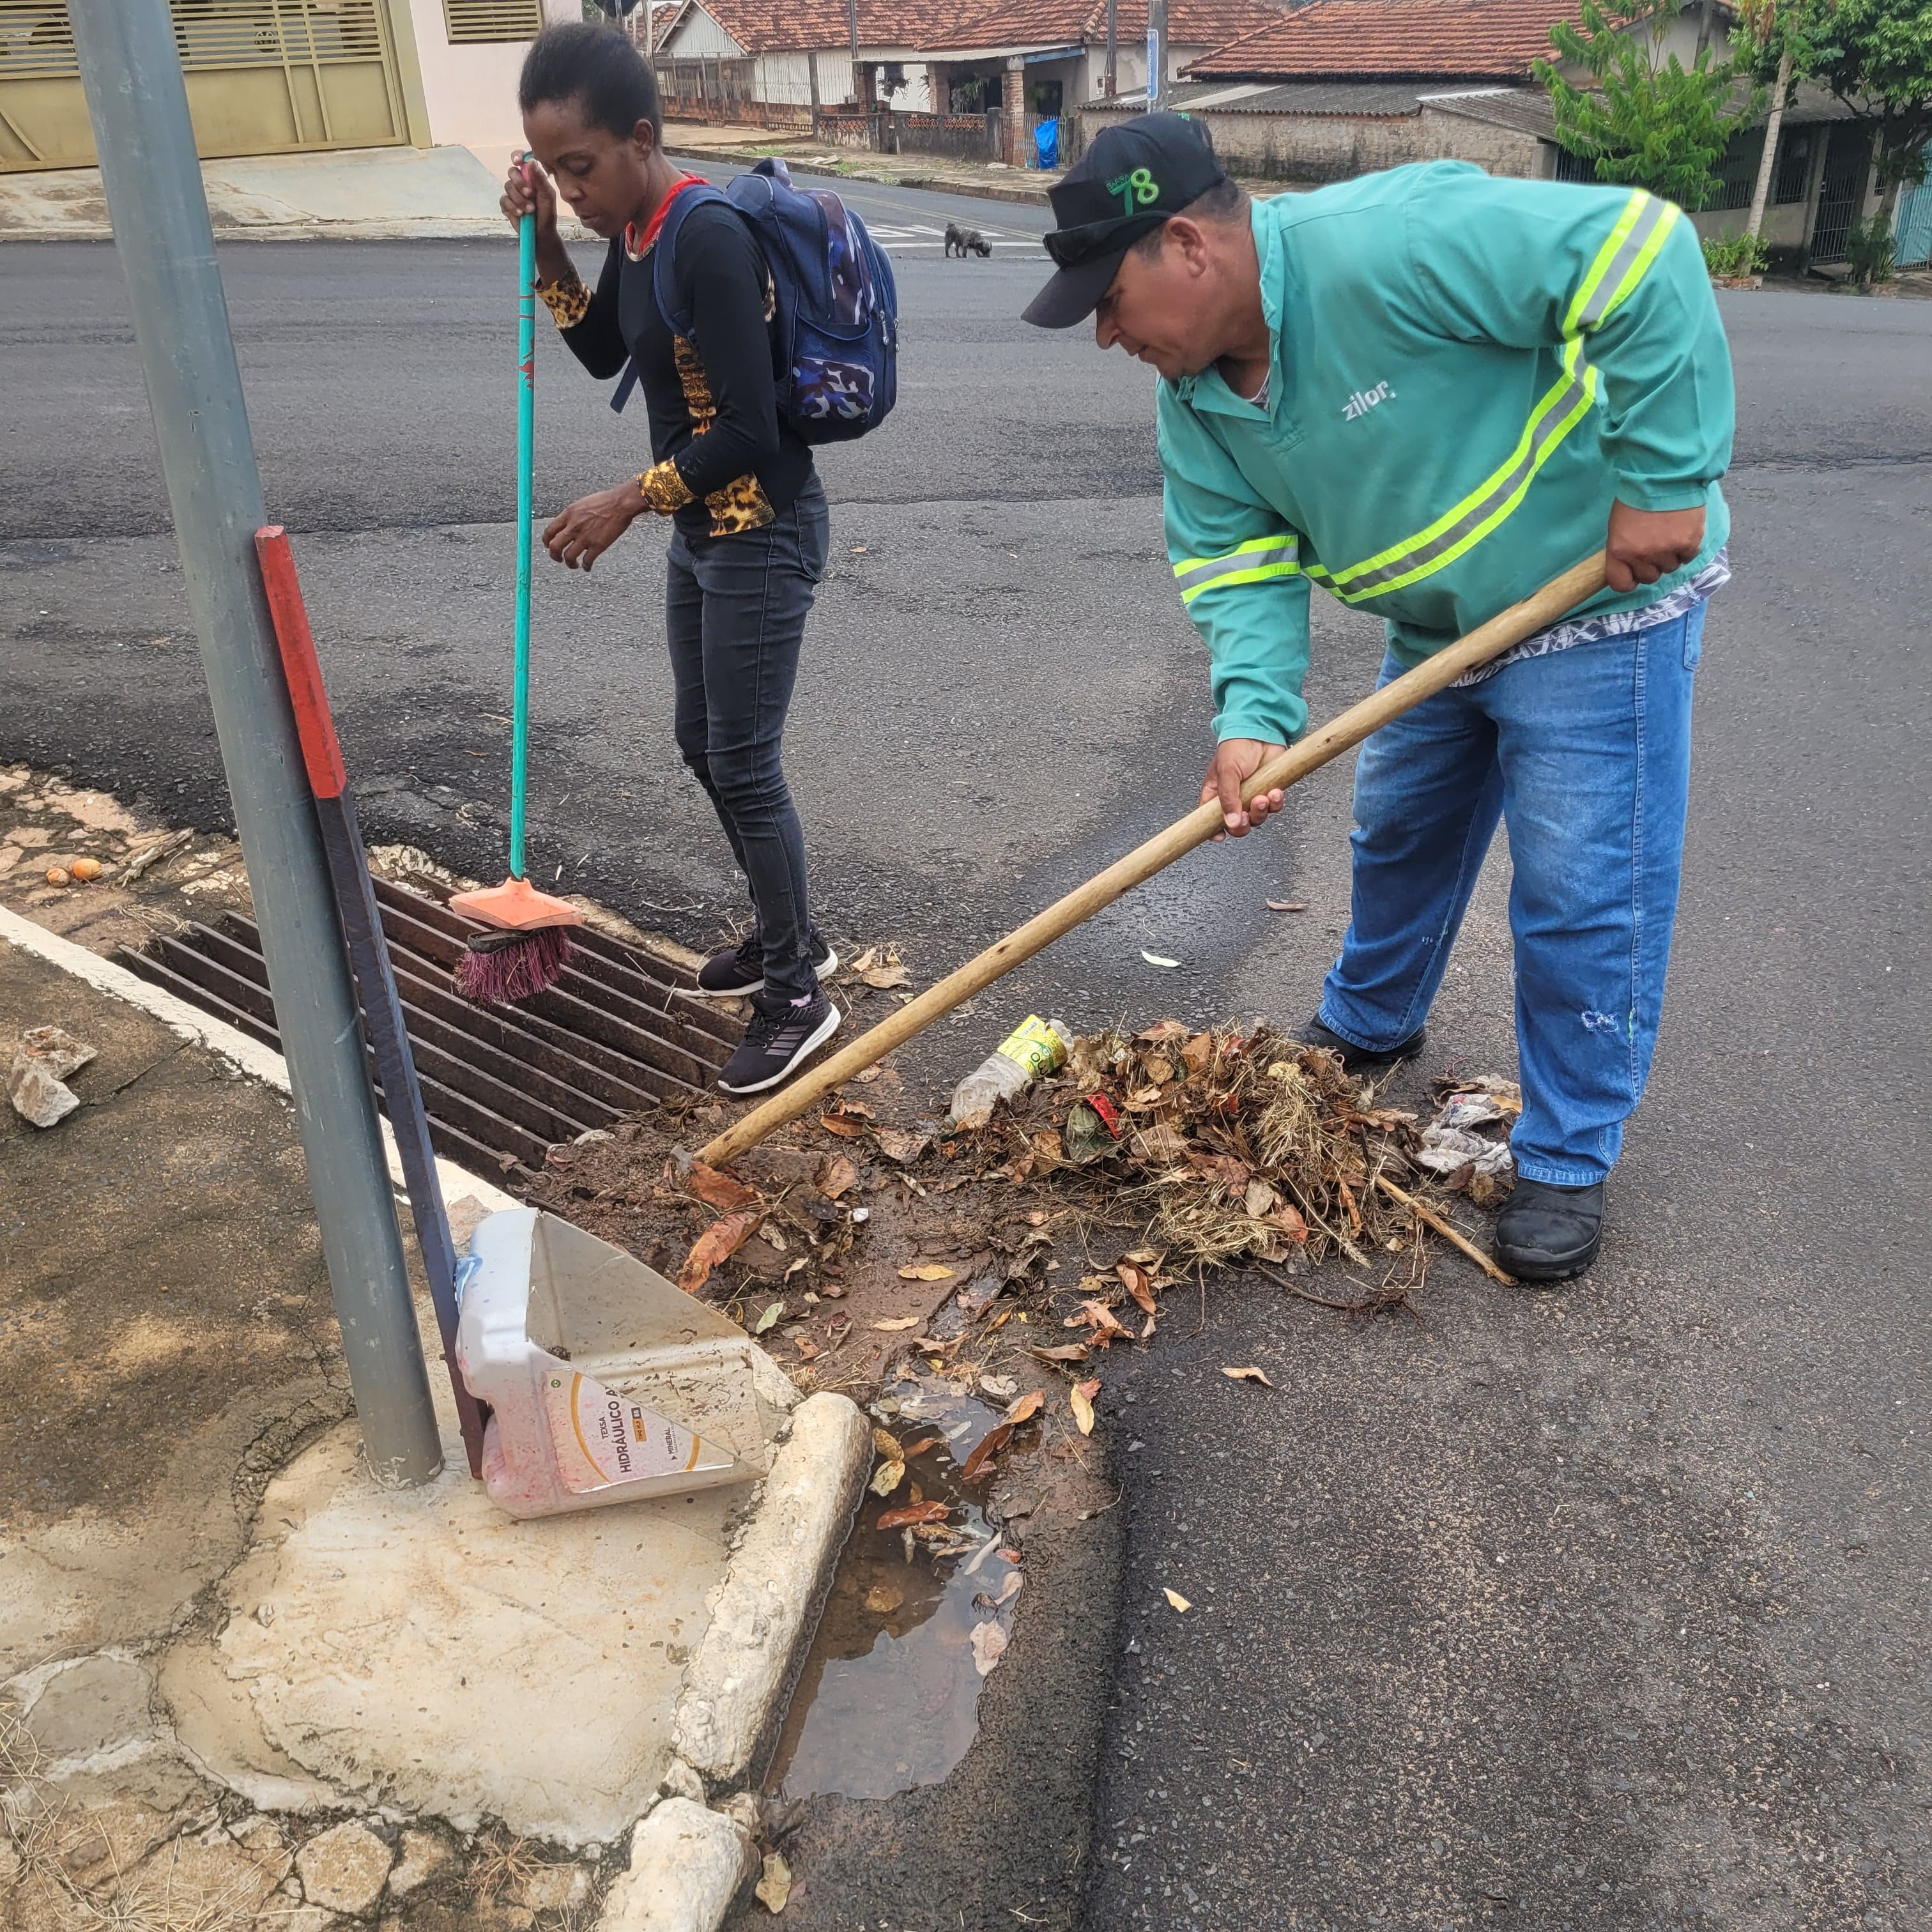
513, 966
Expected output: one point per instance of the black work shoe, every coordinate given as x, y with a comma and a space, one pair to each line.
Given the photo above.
1363, 1059
739, 971
1548, 1233
776, 1045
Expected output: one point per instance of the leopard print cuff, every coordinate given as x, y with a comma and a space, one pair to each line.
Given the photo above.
663, 489
568, 300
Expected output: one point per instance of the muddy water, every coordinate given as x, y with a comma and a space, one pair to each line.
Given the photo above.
890, 1695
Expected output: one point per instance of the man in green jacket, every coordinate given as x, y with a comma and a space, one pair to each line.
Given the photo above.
1430, 392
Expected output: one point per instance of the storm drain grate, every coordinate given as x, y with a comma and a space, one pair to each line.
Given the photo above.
501, 1085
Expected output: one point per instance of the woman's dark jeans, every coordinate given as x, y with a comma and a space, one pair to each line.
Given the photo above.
735, 608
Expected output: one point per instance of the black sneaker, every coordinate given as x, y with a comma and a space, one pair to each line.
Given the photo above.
739, 971
1546, 1233
776, 1045
1363, 1059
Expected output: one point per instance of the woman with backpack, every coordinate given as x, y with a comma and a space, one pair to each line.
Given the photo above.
750, 528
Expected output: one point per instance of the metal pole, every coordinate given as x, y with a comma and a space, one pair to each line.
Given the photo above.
1156, 53
852, 28
1113, 45
137, 101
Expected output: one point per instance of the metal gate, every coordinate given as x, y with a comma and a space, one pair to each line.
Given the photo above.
1914, 230
1841, 192
264, 77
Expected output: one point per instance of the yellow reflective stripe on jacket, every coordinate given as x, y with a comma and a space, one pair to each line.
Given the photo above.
1253, 562
1626, 254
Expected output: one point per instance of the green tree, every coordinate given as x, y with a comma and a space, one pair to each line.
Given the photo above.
1643, 117
1876, 55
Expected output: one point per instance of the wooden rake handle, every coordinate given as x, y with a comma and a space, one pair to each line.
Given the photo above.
1536, 613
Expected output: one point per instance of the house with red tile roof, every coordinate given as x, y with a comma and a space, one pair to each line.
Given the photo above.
1341, 87
1018, 62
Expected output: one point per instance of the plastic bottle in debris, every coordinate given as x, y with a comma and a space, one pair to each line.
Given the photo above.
1034, 1049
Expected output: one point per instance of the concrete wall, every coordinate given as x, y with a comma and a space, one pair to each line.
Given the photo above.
1335, 147
470, 92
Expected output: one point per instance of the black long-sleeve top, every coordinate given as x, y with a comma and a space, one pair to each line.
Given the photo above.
724, 460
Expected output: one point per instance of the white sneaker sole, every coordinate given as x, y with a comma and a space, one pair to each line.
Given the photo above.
826, 967
817, 1038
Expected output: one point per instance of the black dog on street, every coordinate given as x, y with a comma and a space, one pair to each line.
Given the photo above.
963, 242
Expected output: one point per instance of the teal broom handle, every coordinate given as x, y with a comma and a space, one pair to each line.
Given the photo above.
526, 388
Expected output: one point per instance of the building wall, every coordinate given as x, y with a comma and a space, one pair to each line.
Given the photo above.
470, 92
698, 34
1337, 147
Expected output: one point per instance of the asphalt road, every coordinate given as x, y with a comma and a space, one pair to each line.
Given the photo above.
1604, 1608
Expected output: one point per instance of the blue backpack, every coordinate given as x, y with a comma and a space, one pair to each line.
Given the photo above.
837, 307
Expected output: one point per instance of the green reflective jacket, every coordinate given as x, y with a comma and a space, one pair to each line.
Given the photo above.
1466, 372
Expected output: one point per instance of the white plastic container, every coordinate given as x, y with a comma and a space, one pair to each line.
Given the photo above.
604, 1381
1033, 1050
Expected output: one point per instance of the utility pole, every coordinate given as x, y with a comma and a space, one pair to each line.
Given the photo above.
1113, 46
137, 101
1156, 53
852, 28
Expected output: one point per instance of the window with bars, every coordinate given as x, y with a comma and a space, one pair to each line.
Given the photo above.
1795, 152
469, 23
1737, 169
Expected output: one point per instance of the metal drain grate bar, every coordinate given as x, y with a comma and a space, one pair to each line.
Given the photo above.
501, 1084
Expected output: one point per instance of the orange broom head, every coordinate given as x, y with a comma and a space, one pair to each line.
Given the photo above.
516, 906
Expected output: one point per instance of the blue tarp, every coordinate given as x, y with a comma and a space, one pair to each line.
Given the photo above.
1046, 145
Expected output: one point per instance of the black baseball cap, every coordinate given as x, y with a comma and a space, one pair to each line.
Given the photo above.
1130, 180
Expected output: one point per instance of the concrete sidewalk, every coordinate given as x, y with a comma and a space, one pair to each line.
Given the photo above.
438, 193
357, 194
238, 1679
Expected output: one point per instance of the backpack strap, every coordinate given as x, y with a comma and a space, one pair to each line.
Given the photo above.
663, 286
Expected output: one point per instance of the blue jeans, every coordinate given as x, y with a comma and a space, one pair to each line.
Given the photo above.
735, 608
1585, 754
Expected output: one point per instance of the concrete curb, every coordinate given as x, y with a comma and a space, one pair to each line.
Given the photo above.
764, 1609
686, 1865
247, 1056
984, 190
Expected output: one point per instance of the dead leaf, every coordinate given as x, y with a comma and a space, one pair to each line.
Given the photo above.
887, 1444
989, 1644
886, 1478
809, 1350
882, 1599
718, 1243
1074, 1351
1160, 1145
1260, 1198
1001, 1388
1286, 905
1081, 1397
884, 978
717, 1190
910, 1514
1247, 1375
1029, 1405
919, 1447
835, 1123
1105, 1326
1157, 959
765, 1322
1139, 1284
1160, 1030
1199, 1052
927, 1271
836, 1177
1174, 1597
903, 1145
898, 1322
990, 1445
774, 1886
857, 1109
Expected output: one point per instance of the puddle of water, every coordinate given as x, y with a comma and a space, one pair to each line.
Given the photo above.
890, 1695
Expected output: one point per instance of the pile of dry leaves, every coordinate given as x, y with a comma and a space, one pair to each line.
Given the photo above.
1232, 1146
